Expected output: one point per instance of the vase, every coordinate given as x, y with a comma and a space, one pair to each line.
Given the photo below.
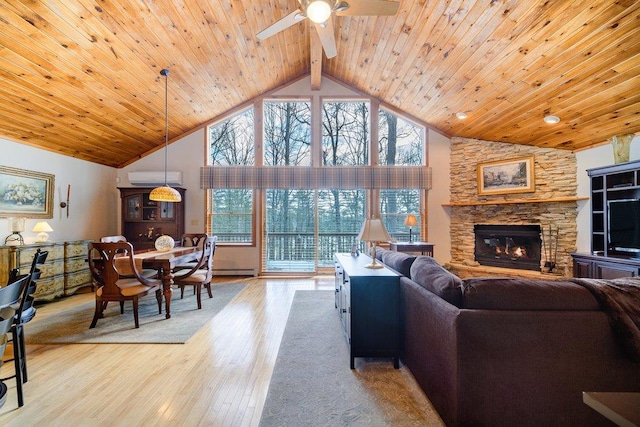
621, 146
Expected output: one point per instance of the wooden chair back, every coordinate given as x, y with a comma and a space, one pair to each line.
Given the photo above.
206, 259
193, 239
109, 262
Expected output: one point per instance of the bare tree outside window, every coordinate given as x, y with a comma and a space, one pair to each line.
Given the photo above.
287, 133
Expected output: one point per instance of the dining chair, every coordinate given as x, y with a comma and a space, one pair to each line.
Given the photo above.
200, 274
10, 297
27, 311
191, 240
106, 261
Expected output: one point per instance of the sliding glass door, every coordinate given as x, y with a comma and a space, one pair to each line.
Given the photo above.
304, 228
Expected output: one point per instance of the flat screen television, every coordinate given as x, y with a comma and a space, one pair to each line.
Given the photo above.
624, 225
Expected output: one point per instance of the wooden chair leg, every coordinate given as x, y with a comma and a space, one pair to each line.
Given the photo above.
208, 286
135, 312
121, 307
181, 291
97, 314
198, 290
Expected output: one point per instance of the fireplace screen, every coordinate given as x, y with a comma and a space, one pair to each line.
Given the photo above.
509, 246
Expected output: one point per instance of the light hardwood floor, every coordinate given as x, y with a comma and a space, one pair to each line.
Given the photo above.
220, 377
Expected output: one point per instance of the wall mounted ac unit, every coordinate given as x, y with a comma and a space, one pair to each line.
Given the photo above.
154, 178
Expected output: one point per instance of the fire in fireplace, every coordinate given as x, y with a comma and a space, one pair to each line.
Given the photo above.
508, 246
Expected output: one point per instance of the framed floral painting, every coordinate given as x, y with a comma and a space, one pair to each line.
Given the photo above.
25, 193
506, 176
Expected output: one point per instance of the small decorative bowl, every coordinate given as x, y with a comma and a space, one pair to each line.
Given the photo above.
164, 243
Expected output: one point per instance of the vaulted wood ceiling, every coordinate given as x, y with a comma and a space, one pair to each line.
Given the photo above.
81, 77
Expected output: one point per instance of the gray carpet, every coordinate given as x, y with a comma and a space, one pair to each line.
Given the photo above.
312, 384
72, 325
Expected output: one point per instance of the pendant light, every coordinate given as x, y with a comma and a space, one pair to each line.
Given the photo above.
165, 193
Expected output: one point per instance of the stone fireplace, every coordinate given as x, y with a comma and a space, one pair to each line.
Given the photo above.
509, 246
552, 204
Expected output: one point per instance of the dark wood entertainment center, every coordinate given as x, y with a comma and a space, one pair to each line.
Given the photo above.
615, 182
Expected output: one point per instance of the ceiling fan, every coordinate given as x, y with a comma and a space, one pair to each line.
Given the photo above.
320, 13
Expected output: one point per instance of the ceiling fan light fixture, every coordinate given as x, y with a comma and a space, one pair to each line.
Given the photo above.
552, 120
318, 11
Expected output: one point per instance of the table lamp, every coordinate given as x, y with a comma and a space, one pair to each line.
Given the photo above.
42, 228
410, 221
373, 231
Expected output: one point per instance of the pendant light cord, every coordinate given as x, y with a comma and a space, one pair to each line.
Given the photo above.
165, 73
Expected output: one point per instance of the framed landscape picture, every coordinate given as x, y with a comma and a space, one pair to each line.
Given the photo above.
506, 176
25, 193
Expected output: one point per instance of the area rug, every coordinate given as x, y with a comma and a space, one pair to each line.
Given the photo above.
72, 326
312, 384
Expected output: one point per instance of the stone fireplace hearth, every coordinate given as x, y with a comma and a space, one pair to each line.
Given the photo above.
552, 204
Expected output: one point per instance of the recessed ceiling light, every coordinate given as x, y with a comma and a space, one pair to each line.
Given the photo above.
461, 115
551, 119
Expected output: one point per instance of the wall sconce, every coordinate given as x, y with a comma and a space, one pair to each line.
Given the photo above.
42, 228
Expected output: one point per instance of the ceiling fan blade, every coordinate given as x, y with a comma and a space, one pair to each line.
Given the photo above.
281, 24
327, 38
369, 8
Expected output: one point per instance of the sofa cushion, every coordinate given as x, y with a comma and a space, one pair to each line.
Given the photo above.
398, 261
486, 293
426, 272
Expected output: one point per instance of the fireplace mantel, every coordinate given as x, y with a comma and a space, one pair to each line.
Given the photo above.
516, 201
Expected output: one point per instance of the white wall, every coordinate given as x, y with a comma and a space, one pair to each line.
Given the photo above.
587, 159
93, 207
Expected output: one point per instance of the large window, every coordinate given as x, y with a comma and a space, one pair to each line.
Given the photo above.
314, 194
345, 133
230, 211
287, 133
401, 143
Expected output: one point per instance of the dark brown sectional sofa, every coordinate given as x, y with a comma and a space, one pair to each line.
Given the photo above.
505, 351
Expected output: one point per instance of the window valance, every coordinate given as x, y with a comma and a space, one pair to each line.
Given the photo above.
295, 177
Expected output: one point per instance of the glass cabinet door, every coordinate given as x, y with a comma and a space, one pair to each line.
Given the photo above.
133, 207
166, 210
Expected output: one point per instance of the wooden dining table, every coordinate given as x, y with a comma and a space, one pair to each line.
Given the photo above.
165, 262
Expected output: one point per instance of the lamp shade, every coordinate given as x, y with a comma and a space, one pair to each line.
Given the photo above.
42, 228
165, 194
411, 221
373, 230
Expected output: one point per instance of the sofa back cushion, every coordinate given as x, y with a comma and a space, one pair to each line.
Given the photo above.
486, 293
426, 272
398, 261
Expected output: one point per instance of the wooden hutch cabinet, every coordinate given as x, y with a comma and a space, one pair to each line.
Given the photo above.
609, 184
144, 220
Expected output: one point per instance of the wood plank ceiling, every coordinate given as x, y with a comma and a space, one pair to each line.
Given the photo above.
81, 77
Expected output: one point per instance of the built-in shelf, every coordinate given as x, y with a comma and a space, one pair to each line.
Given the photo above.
516, 201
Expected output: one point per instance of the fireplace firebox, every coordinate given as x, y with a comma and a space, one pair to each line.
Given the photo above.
508, 246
